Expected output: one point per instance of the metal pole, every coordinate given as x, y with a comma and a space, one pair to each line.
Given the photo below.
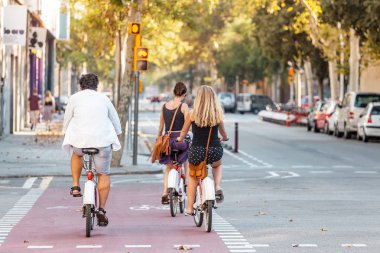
136, 119
236, 137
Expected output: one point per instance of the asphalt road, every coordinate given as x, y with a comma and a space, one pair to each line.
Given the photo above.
286, 190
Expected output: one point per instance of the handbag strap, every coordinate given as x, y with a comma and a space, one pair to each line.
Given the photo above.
208, 142
175, 114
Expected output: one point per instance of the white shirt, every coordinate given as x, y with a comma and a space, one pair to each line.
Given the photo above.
91, 121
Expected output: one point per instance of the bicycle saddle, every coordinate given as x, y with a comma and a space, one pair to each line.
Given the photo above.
175, 151
90, 151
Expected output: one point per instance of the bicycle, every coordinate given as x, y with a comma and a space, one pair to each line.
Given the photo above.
90, 193
176, 186
204, 202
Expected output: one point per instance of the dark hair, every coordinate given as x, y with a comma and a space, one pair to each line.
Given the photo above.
179, 89
89, 81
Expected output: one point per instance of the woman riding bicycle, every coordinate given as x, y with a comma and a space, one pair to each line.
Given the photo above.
166, 118
207, 113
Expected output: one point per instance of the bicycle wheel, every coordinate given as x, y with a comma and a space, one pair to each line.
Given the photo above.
173, 202
198, 217
95, 208
208, 215
182, 197
89, 223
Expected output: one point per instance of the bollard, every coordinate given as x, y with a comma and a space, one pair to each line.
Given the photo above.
236, 137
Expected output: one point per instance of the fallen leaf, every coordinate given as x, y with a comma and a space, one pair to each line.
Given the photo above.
25, 241
323, 229
184, 247
291, 220
262, 213
295, 245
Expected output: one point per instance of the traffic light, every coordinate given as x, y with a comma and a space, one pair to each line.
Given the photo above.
140, 61
134, 28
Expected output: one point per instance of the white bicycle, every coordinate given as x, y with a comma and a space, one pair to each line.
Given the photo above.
176, 186
204, 203
90, 192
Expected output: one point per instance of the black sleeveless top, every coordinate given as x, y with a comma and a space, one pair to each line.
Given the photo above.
200, 135
168, 117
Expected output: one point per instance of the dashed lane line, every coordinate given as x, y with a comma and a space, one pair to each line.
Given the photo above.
137, 246
29, 183
21, 208
89, 246
255, 159
366, 172
250, 165
40, 247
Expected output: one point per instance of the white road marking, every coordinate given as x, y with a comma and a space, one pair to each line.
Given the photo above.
251, 165
187, 245
233, 239
138, 246
40, 247
227, 233
242, 250
248, 246
255, 159
291, 174
89, 246
236, 243
304, 245
272, 174
321, 172
349, 245
29, 183
45, 182
230, 236
301, 166
366, 172
260, 245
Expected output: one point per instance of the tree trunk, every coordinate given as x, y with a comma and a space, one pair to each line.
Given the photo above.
127, 84
309, 80
354, 61
333, 77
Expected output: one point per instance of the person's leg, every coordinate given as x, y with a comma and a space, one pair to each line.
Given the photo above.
187, 176
76, 168
217, 173
104, 185
191, 188
166, 175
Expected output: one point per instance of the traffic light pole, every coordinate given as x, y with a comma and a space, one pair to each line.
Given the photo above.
136, 118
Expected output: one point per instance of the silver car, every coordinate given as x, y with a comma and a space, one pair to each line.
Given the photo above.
227, 99
369, 122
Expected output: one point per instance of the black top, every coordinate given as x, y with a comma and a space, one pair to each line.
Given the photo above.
200, 135
168, 117
48, 102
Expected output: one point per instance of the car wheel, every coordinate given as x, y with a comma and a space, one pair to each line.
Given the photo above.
308, 126
327, 131
316, 129
364, 137
347, 134
336, 132
256, 111
241, 112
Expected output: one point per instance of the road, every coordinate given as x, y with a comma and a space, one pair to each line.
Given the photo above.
286, 190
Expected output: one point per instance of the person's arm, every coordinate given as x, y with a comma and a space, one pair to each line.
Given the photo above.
222, 132
68, 114
162, 123
114, 117
185, 127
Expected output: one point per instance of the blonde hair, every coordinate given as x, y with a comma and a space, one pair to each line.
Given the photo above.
47, 93
207, 109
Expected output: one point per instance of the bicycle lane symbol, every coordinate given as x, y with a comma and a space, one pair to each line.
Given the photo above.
148, 207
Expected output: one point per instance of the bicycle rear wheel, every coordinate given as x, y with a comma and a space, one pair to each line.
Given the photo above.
89, 219
208, 215
173, 202
182, 197
198, 217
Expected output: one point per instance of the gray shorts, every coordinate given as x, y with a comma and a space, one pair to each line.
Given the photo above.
102, 159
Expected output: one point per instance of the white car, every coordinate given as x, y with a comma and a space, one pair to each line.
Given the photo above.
353, 105
369, 122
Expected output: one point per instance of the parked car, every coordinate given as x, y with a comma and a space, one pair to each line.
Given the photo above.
247, 102
155, 99
331, 110
353, 105
369, 122
227, 99
316, 118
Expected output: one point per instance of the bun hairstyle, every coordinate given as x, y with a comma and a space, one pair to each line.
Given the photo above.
179, 89
89, 81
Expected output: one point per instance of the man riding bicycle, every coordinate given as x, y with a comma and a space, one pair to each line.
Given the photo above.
91, 121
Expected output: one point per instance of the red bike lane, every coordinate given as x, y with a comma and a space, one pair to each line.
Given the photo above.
138, 223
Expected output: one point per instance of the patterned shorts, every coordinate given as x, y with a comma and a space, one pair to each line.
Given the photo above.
197, 154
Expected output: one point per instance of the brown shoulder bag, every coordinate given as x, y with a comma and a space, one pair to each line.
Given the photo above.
200, 171
162, 145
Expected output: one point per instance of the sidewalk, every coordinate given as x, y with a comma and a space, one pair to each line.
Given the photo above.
29, 154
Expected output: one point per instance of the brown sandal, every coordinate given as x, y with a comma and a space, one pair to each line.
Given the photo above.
102, 218
165, 199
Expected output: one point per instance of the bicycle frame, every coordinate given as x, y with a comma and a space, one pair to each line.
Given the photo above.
89, 195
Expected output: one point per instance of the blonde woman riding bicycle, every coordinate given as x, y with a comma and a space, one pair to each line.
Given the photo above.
207, 113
